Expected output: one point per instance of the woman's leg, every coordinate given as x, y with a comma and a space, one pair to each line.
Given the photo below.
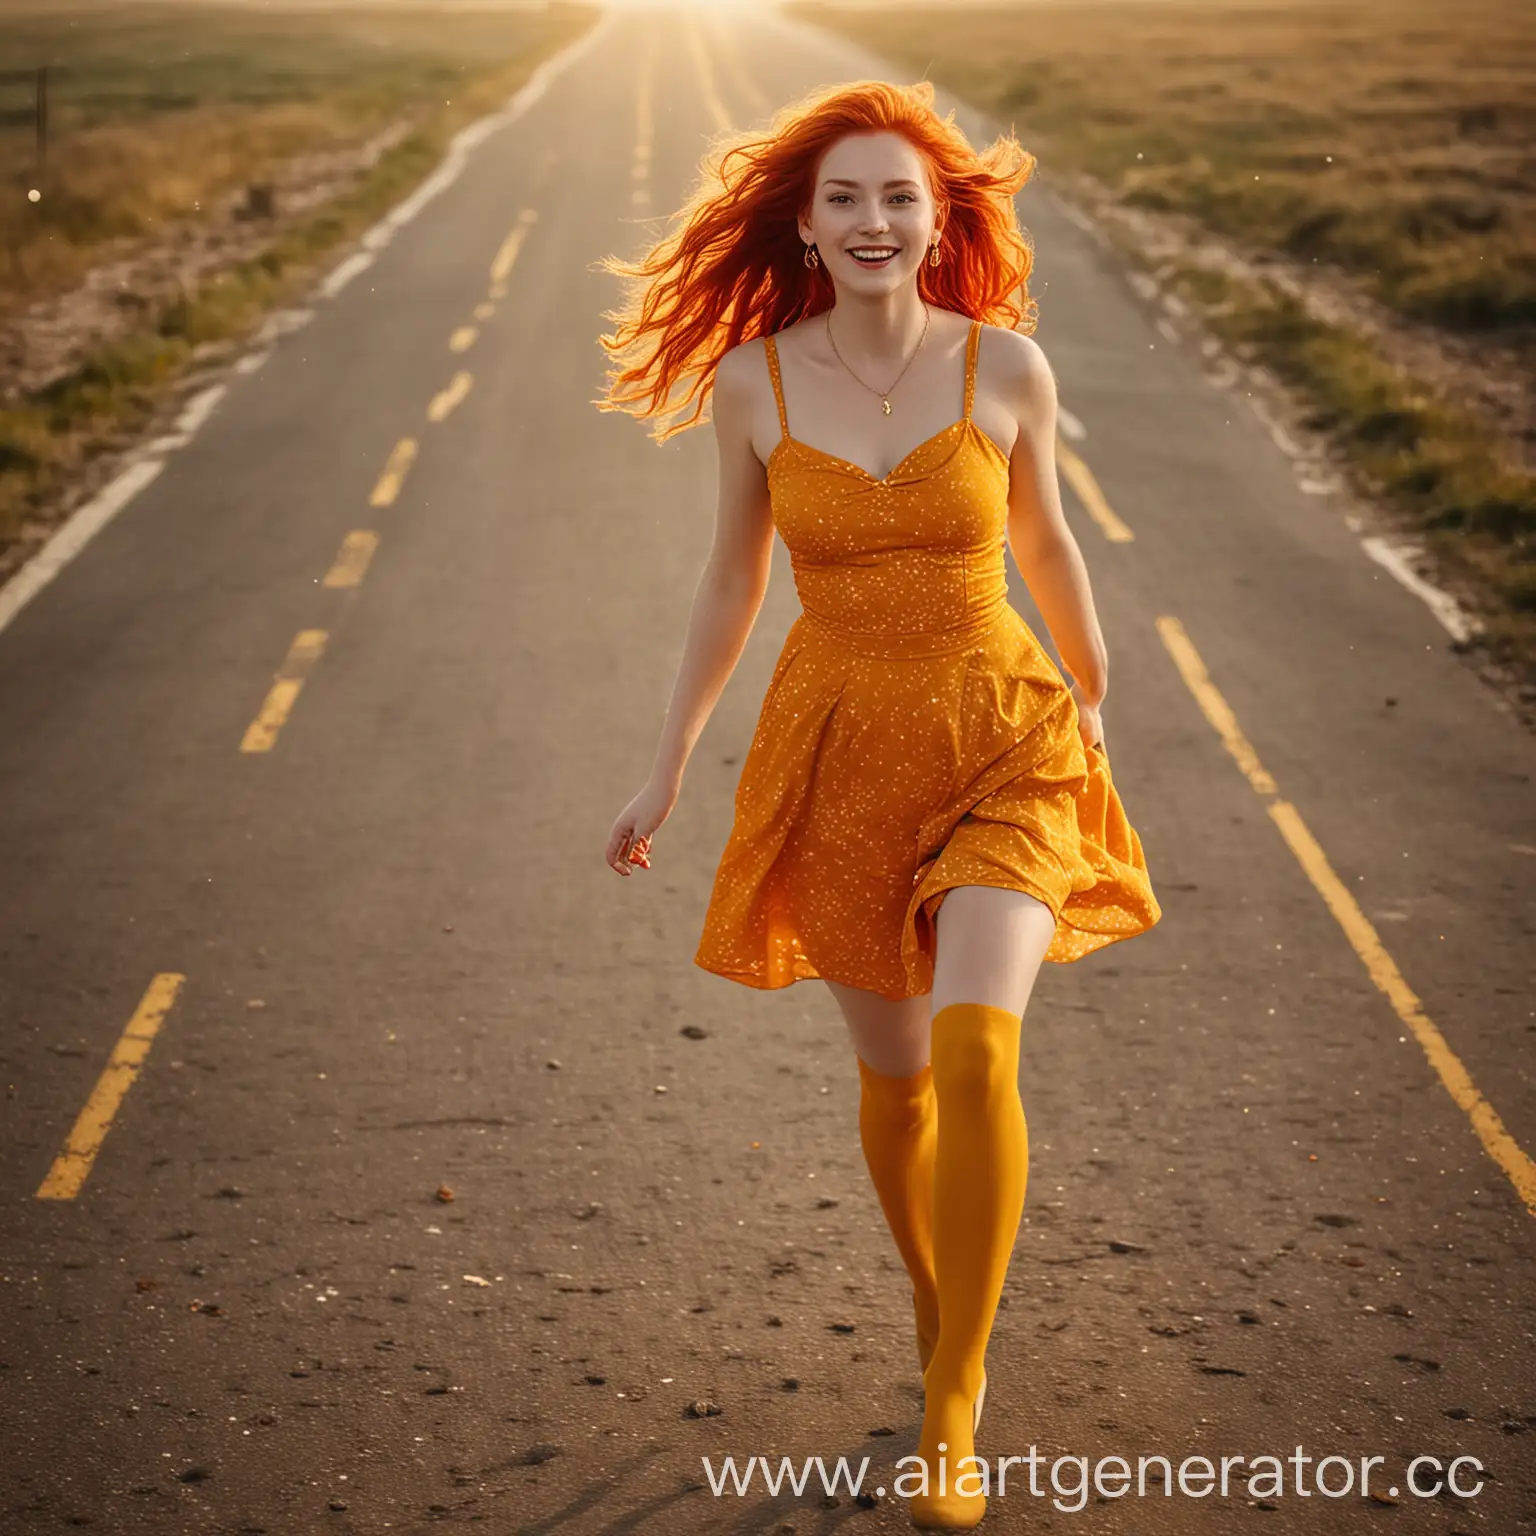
898, 1120
892, 1036
990, 945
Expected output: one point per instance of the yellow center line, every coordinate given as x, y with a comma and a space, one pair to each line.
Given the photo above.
645, 117
73, 1165
261, 733
445, 399
645, 125
464, 337
352, 560
706, 77
1366, 942
501, 267
1081, 479
741, 78
400, 459
484, 310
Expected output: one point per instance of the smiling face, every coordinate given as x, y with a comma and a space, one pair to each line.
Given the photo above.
872, 200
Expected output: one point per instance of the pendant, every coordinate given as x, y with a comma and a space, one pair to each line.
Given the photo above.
885, 405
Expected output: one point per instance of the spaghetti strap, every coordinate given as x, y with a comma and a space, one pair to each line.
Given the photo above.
972, 343
772, 350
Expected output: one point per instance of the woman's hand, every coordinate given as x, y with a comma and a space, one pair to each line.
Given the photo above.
1089, 723
630, 841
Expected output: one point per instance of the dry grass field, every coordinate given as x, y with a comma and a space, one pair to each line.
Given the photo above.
155, 110
199, 161
1344, 191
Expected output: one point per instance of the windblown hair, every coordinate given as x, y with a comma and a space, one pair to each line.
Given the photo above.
733, 268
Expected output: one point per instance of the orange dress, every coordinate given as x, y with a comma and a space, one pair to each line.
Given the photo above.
915, 736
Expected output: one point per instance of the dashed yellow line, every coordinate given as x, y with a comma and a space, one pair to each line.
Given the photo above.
706, 77
645, 126
261, 733
741, 78
400, 459
352, 560
445, 399
501, 267
1366, 942
358, 547
1081, 479
73, 1165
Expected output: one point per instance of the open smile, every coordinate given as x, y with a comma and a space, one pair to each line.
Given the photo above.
872, 255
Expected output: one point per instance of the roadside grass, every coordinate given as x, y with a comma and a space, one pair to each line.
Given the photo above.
1388, 140
161, 109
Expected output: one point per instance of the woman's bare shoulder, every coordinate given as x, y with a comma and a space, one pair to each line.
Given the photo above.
743, 363
1016, 349
1017, 364
742, 391
742, 372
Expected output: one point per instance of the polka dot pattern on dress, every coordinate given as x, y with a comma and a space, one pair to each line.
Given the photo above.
915, 736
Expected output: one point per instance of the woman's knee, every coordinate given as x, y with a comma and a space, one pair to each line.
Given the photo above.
975, 1056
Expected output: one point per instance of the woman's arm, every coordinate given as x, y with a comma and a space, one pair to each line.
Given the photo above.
1044, 548
735, 578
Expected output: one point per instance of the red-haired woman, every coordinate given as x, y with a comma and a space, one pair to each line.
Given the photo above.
925, 813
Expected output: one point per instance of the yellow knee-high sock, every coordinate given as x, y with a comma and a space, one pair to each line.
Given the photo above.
980, 1173
898, 1121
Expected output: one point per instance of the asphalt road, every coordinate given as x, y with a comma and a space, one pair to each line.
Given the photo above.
1258, 1218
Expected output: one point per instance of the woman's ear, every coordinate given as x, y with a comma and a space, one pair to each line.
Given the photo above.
940, 216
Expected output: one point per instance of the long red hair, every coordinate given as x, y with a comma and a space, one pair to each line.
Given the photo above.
733, 266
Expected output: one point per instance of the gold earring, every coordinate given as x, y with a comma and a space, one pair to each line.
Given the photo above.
933, 254
811, 258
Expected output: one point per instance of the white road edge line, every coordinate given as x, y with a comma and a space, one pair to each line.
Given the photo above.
1313, 479
1393, 556
141, 467
82, 526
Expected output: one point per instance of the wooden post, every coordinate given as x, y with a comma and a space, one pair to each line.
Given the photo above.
42, 119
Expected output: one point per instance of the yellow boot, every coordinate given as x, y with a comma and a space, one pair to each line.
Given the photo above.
981, 1169
898, 1119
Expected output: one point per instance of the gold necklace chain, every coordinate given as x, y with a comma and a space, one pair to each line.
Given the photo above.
885, 394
